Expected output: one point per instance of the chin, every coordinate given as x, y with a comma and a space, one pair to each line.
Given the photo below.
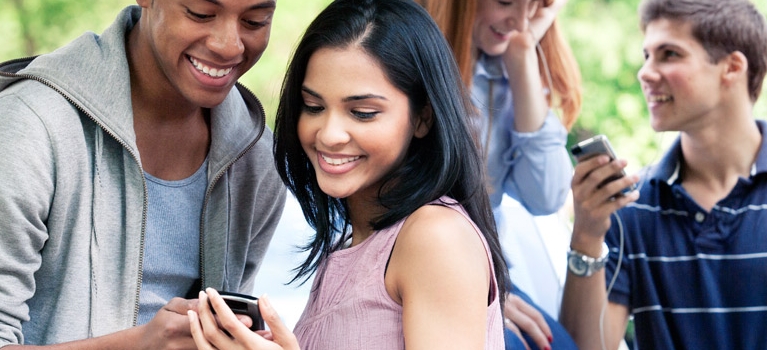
211, 100
494, 50
659, 126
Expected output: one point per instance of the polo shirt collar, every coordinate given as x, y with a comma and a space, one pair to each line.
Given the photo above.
668, 168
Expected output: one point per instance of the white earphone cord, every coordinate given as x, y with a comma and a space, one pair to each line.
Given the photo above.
620, 258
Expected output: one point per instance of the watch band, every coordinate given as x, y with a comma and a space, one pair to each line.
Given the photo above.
583, 265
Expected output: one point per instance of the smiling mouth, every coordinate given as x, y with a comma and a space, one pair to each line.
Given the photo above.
659, 98
209, 71
340, 161
496, 31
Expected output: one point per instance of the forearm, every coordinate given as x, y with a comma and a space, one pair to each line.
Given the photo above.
540, 172
530, 106
583, 301
127, 339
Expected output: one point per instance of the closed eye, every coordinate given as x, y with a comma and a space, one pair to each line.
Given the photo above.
255, 24
313, 109
365, 115
199, 16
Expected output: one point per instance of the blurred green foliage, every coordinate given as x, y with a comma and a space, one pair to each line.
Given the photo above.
604, 34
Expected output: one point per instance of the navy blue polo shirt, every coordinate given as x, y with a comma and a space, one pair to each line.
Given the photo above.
694, 279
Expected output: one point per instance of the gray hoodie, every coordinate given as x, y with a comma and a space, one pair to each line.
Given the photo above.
73, 195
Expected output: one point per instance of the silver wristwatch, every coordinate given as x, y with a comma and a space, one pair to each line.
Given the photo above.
584, 265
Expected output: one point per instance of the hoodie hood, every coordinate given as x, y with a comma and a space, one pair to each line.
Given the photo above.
93, 74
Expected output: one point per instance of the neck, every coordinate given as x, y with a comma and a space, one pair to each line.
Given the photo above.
716, 156
361, 212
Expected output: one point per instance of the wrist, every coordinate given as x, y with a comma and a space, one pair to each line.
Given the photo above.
587, 244
584, 265
520, 61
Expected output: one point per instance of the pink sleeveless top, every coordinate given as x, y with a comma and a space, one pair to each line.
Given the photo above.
351, 309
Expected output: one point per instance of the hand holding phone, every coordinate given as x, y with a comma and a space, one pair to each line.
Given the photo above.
595, 146
243, 304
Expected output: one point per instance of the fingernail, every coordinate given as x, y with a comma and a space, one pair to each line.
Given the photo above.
265, 299
551, 339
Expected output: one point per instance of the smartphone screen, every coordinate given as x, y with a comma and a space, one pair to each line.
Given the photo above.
244, 304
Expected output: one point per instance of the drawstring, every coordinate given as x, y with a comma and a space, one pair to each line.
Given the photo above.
490, 118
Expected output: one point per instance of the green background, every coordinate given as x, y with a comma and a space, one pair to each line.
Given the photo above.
604, 34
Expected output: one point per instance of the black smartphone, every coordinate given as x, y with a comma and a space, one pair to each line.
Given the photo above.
596, 145
243, 304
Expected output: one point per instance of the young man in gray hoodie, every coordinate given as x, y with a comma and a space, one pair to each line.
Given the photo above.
134, 171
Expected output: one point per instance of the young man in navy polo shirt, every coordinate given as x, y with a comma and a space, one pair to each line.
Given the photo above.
688, 250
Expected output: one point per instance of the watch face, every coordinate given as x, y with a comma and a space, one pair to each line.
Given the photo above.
577, 265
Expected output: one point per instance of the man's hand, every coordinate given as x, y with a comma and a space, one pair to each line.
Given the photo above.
594, 201
169, 329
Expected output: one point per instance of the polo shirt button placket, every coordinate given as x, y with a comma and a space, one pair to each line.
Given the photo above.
700, 217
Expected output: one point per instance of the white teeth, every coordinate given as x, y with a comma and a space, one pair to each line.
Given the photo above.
213, 72
659, 98
496, 31
341, 161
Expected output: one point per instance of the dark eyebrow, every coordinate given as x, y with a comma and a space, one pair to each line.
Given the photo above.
270, 4
311, 92
364, 97
346, 99
665, 46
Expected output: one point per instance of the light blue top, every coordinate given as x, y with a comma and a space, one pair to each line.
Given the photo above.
534, 168
172, 241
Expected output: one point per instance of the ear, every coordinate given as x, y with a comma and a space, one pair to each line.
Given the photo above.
144, 3
735, 68
424, 121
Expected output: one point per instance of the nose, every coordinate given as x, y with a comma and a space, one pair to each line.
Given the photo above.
225, 39
647, 73
518, 21
332, 130
521, 13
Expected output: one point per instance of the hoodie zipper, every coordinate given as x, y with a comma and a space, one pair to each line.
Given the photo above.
125, 146
249, 97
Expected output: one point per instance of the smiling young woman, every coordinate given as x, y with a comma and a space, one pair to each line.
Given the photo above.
372, 138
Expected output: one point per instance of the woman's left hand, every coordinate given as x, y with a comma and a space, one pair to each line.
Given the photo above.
543, 18
523, 42
519, 317
208, 332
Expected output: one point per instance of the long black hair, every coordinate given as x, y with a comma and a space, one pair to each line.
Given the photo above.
417, 60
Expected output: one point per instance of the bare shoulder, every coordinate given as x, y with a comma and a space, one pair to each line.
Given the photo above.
438, 224
438, 252
439, 238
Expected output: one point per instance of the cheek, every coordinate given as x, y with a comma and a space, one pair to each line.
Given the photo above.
305, 136
256, 45
680, 81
